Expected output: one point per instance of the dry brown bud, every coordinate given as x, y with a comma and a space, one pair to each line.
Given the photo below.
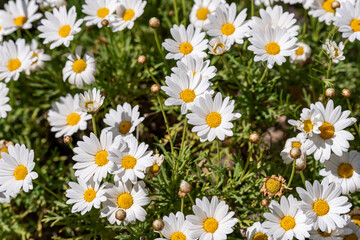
185, 186
300, 164
182, 194
158, 225
105, 22
295, 152
120, 215
155, 88
171, 12
330, 92
141, 59
67, 139
254, 138
335, 5
154, 22
346, 93
265, 202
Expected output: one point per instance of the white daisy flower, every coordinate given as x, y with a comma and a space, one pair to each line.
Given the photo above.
51, 3
91, 101
274, 17
292, 2
184, 89
355, 235
19, 14
126, 14
15, 57
123, 120
347, 18
334, 51
59, 27
66, 118
323, 205
92, 157
154, 169
79, 69
286, 220
85, 195
98, 10
128, 197
309, 122
130, 160
195, 65
291, 143
176, 227
219, 46
212, 220
301, 54
344, 170
272, 46
332, 136
201, 9
211, 118
334, 234
225, 23
257, 232
4, 99
188, 42
39, 56
16, 170
265, 2
323, 10
4, 198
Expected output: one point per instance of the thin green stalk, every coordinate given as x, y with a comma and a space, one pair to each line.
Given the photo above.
329, 69
183, 139
151, 75
130, 230
247, 162
352, 114
191, 199
94, 124
305, 24
302, 177
176, 12
218, 153
48, 190
252, 8
158, 45
292, 173
264, 75
182, 205
184, 11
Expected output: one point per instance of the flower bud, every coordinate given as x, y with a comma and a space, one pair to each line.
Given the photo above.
265, 202
346, 93
105, 22
254, 138
182, 194
158, 225
335, 5
171, 12
295, 152
155, 88
120, 215
300, 164
154, 22
330, 92
67, 139
141, 59
185, 186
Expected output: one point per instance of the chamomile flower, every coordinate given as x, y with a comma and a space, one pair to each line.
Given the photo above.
154, 169
273, 186
66, 118
219, 46
51, 3
200, 11
85, 195
184, 89
323, 10
225, 23
15, 57
4, 146
123, 120
265, 2
91, 101
176, 227
126, 14
128, 197
347, 18
309, 122
4, 198
195, 65
98, 10
272, 46
4, 99
334, 51
344, 170
16, 170
257, 232
19, 14
332, 136
212, 220
211, 118
301, 54
79, 69
323, 205
60, 27
286, 221
291, 143
92, 156
334, 234
130, 160
39, 56
355, 230
187, 42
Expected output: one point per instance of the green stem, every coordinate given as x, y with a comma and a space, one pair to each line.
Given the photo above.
191, 199
151, 75
218, 153
176, 12
184, 11
264, 75
130, 230
182, 205
247, 162
302, 177
158, 45
292, 173
329, 69
183, 139
47, 190
94, 124
305, 24
352, 114
252, 8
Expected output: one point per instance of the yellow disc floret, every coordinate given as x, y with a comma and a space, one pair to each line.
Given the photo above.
327, 130
103, 12
299, 51
128, 162
228, 29
202, 13
327, 6
19, 21
213, 119
355, 25
89, 195
272, 48
345, 170
64, 31
101, 158
128, 14
186, 48
177, 236
125, 201
287, 223
79, 66
260, 236
321, 207
210, 225
73, 119
187, 95
124, 127
14, 64
20, 172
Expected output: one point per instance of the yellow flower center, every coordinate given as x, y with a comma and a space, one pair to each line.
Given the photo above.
308, 125
125, 201
296, 144
35, 55
103, 12
324, 234
89, 195
14, 64
128, 162
155, 168
260, 236
64, 31
272, 48
124, 127
210, 225
187, 95
0, 28
321, 207
351, 237
186, 48
19, 21
336, 52
299, 51
101, 158
213, 119
20, 172
128, 14
218, 45
228, 29
177, 236
73, 119
327, 6
79, 66
327, 130
273, 186
356, 219
287, 223
202, 13
345, 170
355, 25
89, 103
